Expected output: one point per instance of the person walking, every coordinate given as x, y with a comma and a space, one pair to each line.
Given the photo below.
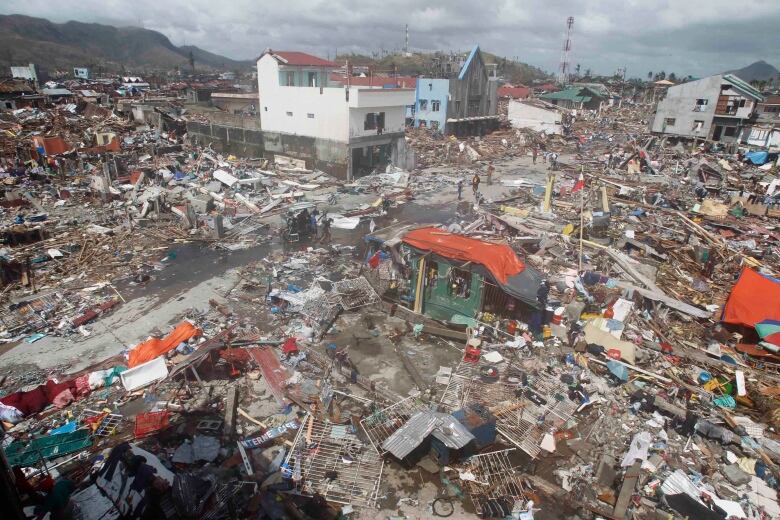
534, 153
326, 222
475, 184
460, 189
490, 170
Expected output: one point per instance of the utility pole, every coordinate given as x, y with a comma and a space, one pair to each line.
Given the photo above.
563, 70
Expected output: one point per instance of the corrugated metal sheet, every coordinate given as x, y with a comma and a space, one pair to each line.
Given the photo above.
422, 424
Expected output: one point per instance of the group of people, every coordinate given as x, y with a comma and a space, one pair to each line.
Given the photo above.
305, 223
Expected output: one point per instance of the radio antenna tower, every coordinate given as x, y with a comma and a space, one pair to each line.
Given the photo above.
406, 41
563, 72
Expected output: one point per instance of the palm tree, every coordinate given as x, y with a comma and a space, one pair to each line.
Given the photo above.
672, 76
649, 75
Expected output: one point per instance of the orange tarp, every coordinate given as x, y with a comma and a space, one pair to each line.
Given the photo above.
153, 347
499, 259
754, 298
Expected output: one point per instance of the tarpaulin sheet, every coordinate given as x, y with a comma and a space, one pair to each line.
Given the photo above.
757, 157
500, 260
153, 347
753, 299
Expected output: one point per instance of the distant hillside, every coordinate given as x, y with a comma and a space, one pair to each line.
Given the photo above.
418, 64
25, 39
758, 71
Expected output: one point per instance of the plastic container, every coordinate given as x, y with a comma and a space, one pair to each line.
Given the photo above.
151, 422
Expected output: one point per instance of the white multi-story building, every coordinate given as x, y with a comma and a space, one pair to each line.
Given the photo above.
356, 130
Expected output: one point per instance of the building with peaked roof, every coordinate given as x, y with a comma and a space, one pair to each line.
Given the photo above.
348, 131
577, 98
717, 108
461, 105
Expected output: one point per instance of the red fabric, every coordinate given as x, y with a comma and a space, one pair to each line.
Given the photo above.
753, 298
499, 259
82, 386
580, 184
39, 397
153, 347
290, 346
373, 262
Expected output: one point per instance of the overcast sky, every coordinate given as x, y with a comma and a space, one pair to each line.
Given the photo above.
696, 37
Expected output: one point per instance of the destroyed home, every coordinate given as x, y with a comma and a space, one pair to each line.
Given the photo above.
717, 108
537, 115
577, 98
455, 279
462, 103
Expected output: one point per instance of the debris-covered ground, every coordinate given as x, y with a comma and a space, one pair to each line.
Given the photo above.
592, 333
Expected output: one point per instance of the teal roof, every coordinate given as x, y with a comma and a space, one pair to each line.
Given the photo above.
745, 87
575, 94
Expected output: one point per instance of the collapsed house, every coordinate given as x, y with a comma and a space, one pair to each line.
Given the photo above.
453, 278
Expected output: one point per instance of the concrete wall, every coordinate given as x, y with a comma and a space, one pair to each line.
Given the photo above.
522, 115
323, 154
679, 104
430, 89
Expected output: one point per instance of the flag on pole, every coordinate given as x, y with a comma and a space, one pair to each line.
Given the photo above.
580, 184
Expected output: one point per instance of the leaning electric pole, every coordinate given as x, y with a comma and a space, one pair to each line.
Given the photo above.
563, 72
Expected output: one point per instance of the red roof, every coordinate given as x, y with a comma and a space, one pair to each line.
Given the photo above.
509, 91
301, 59
549, 87
499, 259
375, 81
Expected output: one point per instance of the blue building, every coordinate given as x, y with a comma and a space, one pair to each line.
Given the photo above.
462, 104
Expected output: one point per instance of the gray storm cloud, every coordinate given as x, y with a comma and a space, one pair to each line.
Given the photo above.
686, 36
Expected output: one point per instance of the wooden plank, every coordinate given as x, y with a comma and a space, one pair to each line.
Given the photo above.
629, 486
230, 411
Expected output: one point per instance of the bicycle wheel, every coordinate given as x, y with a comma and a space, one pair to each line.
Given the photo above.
443, 507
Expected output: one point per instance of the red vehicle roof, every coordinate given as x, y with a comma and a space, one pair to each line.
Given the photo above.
301, 59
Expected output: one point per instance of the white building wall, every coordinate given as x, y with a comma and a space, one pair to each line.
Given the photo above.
395, 120
680, 102
327, 106
328, 112
522, 115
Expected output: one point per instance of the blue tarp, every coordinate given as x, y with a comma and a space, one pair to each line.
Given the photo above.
757, 157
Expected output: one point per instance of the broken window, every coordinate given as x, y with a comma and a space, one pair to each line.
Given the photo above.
434, 125
374, 121
457, 106
698, 125
701, 105
310, 115
312, 79
459, 282
730, 131
432, 275
759, 135
290, 79
423, 123
742, 102
669, 121
289, 114
423, 104
435, 105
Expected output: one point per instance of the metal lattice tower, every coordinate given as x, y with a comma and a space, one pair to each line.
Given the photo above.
563, 71
406, 41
